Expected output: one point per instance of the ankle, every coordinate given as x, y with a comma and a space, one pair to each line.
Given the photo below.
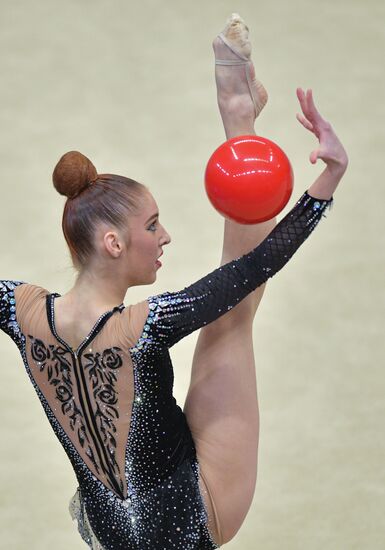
237, 129
236, 105
237, 118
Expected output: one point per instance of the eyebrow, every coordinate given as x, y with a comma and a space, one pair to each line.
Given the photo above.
153, 216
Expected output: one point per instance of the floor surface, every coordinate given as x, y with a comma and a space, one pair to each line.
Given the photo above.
131, 85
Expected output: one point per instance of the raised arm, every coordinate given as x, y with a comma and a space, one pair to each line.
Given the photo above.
173, 315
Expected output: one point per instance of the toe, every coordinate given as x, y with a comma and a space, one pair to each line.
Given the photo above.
237, 33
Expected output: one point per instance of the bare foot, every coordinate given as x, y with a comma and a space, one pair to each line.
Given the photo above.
234, 95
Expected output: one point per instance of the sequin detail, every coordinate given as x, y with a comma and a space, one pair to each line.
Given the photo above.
8, 321
162, 507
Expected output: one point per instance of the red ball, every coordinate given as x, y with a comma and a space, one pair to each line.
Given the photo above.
249, 179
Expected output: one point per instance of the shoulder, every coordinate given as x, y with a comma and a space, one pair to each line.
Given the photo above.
133, 319
29, 293
17, 297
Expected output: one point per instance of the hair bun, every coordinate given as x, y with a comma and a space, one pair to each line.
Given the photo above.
73, 173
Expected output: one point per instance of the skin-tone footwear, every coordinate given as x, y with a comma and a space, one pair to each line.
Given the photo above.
235, 36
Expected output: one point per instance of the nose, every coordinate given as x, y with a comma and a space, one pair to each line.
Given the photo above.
166, 239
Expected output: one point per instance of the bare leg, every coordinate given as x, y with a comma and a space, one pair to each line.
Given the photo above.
221, 405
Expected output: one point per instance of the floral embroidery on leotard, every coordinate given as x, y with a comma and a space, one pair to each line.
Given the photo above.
62, 371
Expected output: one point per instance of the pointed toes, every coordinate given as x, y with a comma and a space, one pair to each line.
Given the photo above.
237, 32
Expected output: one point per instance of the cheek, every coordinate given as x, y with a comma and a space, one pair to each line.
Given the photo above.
146, 251
149, 247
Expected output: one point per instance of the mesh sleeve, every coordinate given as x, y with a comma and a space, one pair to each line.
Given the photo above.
173, 315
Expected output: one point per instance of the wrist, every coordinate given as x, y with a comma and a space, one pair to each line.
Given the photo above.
336, 169
327, 182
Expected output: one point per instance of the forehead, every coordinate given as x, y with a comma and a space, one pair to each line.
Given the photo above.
149, 204
148, 207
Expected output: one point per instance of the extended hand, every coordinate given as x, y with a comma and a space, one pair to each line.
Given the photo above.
330, 150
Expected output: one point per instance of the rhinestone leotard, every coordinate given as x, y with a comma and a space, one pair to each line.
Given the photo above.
110, 402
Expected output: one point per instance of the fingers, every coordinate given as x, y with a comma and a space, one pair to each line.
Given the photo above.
311, 106
306, 102
302, 99
306, 123
309, 109
330, 149
314, 156
303, 102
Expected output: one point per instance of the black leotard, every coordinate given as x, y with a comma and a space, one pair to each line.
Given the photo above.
110, 402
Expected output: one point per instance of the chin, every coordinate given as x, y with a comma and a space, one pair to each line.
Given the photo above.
150, 279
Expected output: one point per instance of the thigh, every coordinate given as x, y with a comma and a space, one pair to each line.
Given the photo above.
222, 411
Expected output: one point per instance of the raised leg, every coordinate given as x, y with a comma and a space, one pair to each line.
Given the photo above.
221, 405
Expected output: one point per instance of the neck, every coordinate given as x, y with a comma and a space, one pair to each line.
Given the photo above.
98, 293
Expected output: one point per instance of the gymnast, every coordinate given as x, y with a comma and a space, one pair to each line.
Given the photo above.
149, 474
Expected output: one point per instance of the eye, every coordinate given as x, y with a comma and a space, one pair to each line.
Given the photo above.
152, 227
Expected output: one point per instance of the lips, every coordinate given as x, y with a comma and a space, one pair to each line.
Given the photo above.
159, 263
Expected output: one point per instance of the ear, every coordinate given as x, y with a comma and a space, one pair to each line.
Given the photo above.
113, 243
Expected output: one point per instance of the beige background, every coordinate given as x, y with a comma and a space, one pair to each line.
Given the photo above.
131, 85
